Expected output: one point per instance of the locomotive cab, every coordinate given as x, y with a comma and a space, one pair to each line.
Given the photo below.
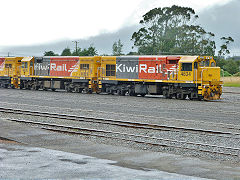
202, 72
27, 67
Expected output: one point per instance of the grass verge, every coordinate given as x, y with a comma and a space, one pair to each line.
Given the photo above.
231, 81
232, 84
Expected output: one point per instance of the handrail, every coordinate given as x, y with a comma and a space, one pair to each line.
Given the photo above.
202, 76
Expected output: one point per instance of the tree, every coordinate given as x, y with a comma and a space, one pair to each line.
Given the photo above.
132, 53
90, 51
66, 52
231, 66
50, 53
170, 30
224, 47
117, 48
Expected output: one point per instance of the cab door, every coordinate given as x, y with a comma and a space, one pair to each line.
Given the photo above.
24, 69
186, 71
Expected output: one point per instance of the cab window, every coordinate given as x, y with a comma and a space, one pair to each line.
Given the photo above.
195, 65
186, 66
207, 63
213, 64
110, 70
84, 66
8, 66
24, 64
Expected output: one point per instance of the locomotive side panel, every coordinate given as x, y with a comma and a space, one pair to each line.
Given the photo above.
42, 66
152, 68
146, 68
127, 67
63, 66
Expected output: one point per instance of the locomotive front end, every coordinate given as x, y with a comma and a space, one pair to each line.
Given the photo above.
210, 83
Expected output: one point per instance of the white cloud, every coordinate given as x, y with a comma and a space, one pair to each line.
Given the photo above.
33, 22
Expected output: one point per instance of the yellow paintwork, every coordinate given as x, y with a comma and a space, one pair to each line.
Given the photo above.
93, 71
104, 61
27, 66
12, 69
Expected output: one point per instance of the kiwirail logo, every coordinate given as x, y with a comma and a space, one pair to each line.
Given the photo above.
54, 67
39, 66
141, 68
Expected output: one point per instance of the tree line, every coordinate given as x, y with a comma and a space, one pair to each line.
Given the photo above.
90, 51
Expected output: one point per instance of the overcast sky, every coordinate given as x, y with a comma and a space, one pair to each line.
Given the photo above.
32, 27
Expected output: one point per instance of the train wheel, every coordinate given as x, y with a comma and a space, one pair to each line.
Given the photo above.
122, 93
184, 96
167, 95
76, 89
131, 93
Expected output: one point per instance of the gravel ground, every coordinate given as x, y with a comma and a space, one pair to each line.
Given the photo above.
151, 109
202, 138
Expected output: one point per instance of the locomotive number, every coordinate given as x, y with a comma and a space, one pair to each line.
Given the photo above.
186, 73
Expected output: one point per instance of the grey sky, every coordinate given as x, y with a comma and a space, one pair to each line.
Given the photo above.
221, 19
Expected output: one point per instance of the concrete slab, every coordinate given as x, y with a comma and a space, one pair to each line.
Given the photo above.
34, 163
132, 163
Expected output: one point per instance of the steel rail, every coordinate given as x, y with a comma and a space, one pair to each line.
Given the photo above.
107, 134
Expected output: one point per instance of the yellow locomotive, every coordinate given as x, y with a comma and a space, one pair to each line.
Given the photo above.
195, 77
10, 71
171, 76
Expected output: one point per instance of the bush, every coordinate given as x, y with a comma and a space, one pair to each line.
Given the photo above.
237, 74
226, 74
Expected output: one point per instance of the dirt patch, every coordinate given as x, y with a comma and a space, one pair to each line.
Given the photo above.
231, 80
73, 161
7, 141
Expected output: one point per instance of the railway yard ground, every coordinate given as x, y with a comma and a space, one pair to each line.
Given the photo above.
46, 134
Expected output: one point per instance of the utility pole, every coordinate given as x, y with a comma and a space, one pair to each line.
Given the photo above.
76, 42
8, 54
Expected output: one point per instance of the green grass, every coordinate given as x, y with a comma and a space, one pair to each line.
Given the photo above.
232, 84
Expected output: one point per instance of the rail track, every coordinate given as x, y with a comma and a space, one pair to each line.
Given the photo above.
139, 139
192, 110
128, 124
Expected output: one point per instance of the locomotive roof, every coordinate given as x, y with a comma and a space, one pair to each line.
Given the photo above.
189, 59
26, 59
